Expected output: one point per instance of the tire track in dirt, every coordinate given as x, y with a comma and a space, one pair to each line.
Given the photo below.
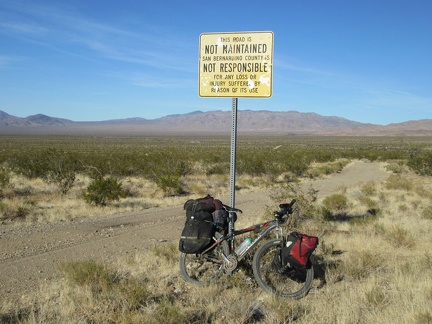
353, 174
31, 255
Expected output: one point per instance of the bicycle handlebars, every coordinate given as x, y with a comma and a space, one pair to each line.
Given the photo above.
288, 205
285, 208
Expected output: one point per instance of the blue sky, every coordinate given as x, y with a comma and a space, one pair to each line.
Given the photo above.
368, 61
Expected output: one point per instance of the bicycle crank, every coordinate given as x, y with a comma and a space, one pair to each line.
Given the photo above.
230, 264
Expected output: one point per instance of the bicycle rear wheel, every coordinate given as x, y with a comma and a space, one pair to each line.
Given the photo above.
204, 268
272, 277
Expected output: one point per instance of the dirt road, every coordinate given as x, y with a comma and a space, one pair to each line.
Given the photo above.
30, 255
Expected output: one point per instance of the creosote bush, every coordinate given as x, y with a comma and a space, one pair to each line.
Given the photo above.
335, 203
5, 178
421, 162
103, 190
61, 168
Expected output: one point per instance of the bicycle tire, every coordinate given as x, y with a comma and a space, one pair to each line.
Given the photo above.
202, 269
288, 283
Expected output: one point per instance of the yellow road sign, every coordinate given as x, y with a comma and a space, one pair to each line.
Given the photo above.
236, 64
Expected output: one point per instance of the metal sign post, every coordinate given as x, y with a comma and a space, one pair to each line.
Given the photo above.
233, 151
235, 65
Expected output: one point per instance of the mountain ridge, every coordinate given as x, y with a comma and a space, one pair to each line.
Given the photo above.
214, 122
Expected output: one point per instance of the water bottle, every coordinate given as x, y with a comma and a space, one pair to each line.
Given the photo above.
243, 246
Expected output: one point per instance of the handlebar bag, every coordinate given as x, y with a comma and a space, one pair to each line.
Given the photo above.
297, 248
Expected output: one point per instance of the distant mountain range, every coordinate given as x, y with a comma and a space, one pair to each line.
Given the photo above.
213, 122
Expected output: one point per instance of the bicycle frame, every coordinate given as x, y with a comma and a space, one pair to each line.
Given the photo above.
265, 228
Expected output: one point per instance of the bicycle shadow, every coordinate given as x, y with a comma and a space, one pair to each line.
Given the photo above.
342, 217
322, 266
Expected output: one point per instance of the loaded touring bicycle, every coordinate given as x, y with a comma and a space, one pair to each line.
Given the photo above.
280, 265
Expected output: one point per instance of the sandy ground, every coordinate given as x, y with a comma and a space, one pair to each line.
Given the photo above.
30, 255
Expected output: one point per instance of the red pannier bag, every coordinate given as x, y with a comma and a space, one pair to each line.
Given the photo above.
297, 249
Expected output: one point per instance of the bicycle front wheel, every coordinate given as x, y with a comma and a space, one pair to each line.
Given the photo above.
205, 268
272, 277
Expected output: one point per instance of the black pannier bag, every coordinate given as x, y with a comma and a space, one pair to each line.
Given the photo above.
199, 229
196, 236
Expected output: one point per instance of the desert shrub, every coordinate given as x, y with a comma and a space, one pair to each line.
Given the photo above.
167, 172
4, 179
421, 162
61, 168
395, 166
169, 183
103, 190
218, 168
254, 164
335, 202
333, 208
30, 165
297, 163
53, 165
